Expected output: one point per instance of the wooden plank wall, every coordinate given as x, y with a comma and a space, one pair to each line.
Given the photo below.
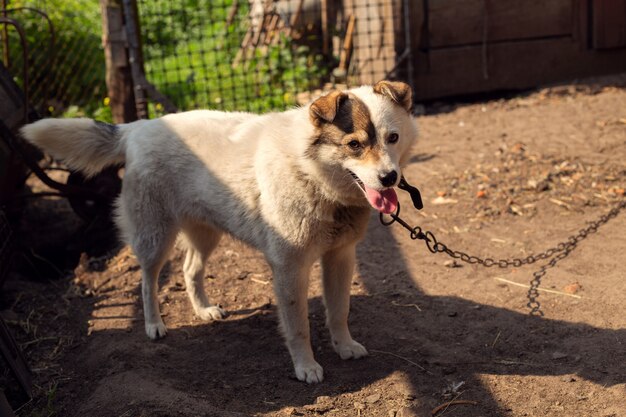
453, 22
609, 24
478, 46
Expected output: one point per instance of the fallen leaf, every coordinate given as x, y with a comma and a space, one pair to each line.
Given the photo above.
572, 288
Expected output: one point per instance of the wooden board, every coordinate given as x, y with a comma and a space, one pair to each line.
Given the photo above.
453, 22
512, 65
118, 74
374, 43
609, 23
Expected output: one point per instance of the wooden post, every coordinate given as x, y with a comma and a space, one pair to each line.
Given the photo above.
5, 37
118, 72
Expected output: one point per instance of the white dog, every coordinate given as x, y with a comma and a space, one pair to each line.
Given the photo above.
296, 185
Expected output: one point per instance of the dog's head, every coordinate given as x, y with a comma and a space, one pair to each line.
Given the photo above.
362, 137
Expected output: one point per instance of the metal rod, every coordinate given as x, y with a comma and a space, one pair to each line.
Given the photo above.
31, 163
134, 58
22, 35
5, 38
51, 50
408, 46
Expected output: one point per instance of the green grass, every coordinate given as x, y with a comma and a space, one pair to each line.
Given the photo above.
43, 402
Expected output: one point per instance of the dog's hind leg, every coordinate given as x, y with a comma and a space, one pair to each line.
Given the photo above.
337, 270
200, 242
152, 251
151, 234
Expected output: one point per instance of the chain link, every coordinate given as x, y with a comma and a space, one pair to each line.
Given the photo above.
553, 254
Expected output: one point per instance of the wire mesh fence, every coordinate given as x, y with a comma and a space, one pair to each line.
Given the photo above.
252, 55
201, 59
259, 55
64, 56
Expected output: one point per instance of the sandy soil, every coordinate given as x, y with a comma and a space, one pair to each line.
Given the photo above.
501, 178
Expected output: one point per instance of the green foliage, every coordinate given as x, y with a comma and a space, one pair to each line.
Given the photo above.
73, 71
189, 55
101, 113
195, 59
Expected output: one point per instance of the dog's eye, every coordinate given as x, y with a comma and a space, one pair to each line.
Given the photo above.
354, 144
393, 138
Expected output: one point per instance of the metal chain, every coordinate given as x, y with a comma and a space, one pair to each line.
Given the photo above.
554, 254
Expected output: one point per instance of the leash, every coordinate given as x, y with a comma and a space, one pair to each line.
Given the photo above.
553, 254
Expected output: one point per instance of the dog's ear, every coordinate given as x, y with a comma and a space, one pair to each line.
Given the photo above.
397, 91
325, 108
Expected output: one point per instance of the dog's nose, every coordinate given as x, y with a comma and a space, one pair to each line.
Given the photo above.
389, 179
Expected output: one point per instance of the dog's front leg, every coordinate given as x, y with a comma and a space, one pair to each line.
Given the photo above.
337, 269
291, 281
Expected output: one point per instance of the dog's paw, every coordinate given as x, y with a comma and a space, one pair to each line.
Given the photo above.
156, 330
350, 350
311, 373
211, 313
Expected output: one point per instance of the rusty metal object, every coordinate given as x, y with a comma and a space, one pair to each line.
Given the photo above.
135, 58
552, 255
87, 197
22, 35
51, 43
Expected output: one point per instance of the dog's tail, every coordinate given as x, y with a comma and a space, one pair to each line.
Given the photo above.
83, 144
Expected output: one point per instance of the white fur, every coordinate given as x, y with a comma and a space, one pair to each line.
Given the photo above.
202, 173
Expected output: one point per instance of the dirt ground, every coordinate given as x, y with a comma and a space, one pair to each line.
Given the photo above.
500, 178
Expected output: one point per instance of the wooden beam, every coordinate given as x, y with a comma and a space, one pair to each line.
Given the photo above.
512, 65
454, 23
118, 73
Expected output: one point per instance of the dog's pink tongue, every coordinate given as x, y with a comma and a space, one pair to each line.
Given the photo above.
385, 201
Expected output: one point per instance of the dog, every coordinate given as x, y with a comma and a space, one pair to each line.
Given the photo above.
298, 185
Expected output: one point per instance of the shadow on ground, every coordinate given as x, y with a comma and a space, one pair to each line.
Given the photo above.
240, 366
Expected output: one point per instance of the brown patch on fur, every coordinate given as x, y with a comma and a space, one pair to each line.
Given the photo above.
354, 117
351, 120
371, 155
397, 91
325, 108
